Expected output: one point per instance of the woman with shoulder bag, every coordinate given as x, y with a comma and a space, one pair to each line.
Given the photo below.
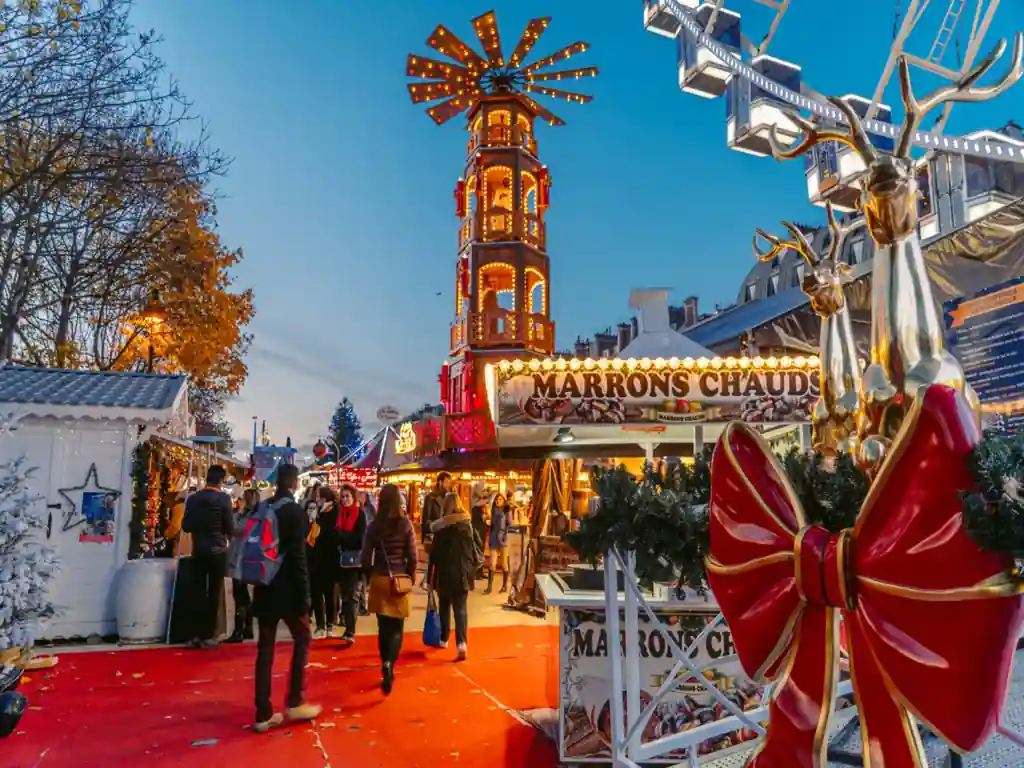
389, 556
452, 569
351, 528
323, 562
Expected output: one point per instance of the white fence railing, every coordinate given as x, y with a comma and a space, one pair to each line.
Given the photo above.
629, 719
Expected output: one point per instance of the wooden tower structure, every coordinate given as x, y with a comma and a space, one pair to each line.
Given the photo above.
502, 286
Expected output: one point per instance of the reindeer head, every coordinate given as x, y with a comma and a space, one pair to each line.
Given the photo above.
889, 194
824, 282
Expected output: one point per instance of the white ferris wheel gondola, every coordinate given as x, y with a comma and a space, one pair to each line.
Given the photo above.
675, 18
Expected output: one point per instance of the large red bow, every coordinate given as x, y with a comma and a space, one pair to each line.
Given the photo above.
931, 621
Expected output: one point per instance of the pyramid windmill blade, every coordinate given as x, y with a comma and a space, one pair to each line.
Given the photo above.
446, 110
486, 28
444, 40
565, 53
421, 92
555, 93
563, 74
543, 113
530, 36
432, 69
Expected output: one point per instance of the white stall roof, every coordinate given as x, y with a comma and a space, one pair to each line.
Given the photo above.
69, 394
657, 338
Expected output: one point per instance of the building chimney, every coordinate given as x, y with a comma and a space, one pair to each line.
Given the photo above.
653, 306
690, 311
625, 335
604, 343
582, 348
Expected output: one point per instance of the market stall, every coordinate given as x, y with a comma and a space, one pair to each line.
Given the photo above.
80, 431
630, 412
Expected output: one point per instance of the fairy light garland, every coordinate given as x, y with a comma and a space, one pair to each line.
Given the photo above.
507, 368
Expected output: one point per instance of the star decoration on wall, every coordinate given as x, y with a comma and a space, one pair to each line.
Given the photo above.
73, 517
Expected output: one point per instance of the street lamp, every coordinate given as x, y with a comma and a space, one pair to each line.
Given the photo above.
154, 316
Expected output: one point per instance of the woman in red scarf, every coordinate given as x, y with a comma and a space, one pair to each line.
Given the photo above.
351, 527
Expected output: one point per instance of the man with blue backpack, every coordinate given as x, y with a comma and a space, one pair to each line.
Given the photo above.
271, 556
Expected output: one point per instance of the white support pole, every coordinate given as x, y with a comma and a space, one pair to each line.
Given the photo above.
632, 666
698, 441
806, 438
909, 20
611, 622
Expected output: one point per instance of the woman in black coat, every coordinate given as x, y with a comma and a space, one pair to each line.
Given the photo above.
323, 564
452, 569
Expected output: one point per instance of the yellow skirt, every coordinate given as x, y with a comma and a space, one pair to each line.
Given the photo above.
382, 602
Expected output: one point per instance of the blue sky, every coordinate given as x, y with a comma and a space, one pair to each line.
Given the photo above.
341, 189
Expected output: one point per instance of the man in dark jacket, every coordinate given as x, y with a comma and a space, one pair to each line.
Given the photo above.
210, 520
287, 599
432, 505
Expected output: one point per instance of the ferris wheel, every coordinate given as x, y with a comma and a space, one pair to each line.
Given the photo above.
716, 58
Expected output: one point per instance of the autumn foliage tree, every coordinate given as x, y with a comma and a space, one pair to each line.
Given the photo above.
188, 273
103, 204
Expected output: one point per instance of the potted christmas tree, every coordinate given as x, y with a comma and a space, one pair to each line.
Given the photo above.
26, 566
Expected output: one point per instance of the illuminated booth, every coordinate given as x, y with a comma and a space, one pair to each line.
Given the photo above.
648, 408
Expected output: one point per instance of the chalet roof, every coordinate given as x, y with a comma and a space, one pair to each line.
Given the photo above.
59, 392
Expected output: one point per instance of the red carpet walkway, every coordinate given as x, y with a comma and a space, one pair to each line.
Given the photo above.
170, 706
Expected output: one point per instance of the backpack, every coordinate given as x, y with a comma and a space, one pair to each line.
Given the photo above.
258, 556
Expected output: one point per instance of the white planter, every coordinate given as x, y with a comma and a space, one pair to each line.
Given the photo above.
144, 600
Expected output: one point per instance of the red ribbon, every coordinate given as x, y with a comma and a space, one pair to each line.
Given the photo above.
930, 621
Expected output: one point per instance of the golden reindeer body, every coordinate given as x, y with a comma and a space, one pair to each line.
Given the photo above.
834, 416
907, 350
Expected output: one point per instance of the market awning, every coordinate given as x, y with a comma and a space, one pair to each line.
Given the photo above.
469, 461
218, 458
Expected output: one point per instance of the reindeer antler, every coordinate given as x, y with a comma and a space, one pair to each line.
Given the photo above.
799, 243
839, 233
856, 138
962, 90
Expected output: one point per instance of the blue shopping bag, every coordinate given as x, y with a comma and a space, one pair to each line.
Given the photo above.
432, 624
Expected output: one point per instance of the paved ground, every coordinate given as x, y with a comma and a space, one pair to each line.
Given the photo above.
158, 706
164, 706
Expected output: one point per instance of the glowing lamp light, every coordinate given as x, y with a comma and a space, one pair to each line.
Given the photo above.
154, 312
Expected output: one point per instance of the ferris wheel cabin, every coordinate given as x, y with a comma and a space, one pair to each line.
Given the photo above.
701, 72
751, 111
832, 169
660, 21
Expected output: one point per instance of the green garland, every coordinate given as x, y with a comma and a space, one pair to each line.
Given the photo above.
994, 514
663, 516
140, 499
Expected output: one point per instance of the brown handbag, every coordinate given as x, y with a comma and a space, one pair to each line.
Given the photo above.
401, 585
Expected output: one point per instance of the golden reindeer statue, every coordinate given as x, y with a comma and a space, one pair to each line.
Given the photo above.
907, 350
834, 416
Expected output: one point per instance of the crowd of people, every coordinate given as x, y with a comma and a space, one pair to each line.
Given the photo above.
319, 562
